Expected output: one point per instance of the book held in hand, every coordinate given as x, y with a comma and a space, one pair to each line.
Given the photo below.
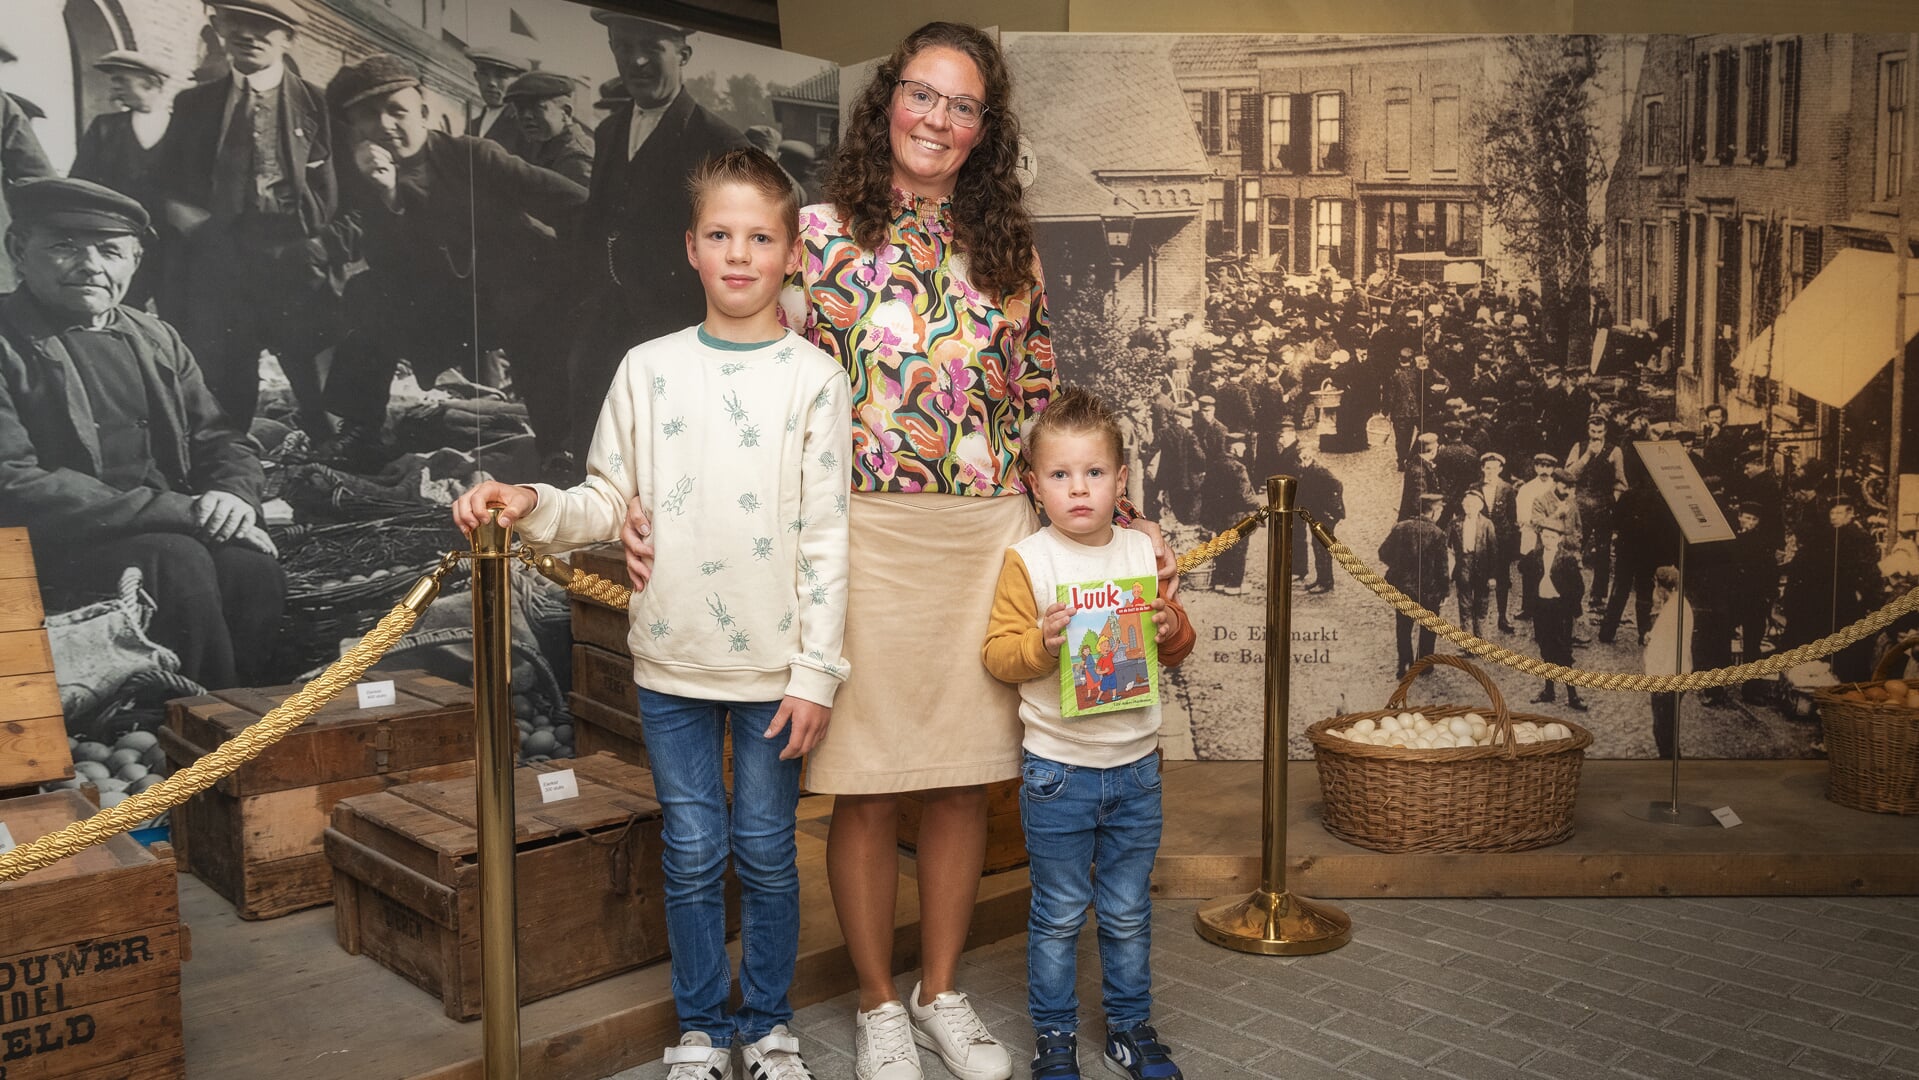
1111, 659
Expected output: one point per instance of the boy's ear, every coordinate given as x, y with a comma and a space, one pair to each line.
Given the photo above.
1122, 478
691, 259
793, 256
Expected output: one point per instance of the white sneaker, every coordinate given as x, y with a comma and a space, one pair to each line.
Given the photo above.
950, 1028
883, 1044
775, 1057
696, 1058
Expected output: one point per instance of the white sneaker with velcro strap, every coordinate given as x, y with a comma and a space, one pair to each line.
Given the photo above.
776, 1056
696, 1058
950, 1028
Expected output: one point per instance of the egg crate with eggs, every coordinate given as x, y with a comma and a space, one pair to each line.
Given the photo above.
1438, 778
1872, 738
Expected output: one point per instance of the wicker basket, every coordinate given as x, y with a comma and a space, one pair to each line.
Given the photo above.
1872, 747
1509, 796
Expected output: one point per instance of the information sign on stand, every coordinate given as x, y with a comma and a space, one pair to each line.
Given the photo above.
1700, 521
1673, 472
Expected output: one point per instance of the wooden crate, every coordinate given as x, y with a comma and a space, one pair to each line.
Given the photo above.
33, 730
591, 890
1005, 841
90, 952
255, 836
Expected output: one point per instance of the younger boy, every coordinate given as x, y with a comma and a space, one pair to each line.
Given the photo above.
737, 430
1089, 784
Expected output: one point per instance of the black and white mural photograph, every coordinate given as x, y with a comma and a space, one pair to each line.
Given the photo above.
392, 248
1448, 281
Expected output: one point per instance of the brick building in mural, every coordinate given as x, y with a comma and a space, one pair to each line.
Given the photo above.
1752, 164
809, 110
1341, 152
1118, 178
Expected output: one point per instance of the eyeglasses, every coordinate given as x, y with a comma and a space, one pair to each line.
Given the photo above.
962, 110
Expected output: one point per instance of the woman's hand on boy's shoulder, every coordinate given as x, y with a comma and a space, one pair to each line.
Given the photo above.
515, 502
636, 537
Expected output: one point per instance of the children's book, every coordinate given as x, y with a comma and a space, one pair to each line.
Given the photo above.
1110, 660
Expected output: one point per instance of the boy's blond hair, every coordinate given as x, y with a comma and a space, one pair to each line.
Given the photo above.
748, 165
1076, 412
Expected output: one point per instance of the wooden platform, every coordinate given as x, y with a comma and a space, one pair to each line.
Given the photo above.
1793, 842
280, 999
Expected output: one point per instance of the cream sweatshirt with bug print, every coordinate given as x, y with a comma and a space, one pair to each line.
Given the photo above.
740, 455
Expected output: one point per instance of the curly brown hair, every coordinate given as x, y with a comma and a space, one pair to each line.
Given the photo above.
990, 221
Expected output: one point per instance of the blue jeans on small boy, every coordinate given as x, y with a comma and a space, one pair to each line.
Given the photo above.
683, 742
1091, 836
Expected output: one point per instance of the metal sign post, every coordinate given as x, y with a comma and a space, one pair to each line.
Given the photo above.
1273, 921
496, 747
1700, 522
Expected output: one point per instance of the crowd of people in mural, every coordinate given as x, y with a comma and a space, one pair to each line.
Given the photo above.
1521, 495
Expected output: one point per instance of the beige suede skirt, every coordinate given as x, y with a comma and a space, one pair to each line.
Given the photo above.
919, 710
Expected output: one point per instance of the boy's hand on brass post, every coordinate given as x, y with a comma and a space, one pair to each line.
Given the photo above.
1052, 627
809, 721
470, 509
636, 536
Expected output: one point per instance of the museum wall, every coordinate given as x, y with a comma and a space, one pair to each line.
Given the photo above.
1262, 220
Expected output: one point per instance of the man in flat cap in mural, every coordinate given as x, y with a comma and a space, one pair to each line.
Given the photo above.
550, 137
493, 71
121, 150
459, 237
113, 451
20, 157
640, 285
247, 178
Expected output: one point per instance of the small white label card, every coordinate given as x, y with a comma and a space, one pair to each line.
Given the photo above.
374, 695
558, 786
6, 839
1726, 817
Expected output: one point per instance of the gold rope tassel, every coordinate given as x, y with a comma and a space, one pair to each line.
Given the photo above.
235, 752
1610, 680
578, 582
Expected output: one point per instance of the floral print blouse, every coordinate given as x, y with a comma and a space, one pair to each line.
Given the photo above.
943, 378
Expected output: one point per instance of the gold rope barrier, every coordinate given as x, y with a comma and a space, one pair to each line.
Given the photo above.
1609, 680
237, 751
1598, 680
282, 720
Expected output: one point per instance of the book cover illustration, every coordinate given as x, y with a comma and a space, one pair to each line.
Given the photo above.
1111, 659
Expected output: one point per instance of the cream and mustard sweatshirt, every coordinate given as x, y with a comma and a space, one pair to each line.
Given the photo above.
1015, 649
740, 455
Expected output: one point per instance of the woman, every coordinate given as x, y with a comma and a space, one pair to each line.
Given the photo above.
920, 276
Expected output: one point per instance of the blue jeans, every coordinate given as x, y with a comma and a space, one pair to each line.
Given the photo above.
683, 741
1078, 819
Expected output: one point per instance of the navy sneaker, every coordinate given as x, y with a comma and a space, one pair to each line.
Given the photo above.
1056, 1056
1138, 1054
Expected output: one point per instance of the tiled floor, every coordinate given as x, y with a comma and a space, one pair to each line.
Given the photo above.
1694, 988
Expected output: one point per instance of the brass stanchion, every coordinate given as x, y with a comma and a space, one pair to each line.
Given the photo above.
495, 746
1273, 921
